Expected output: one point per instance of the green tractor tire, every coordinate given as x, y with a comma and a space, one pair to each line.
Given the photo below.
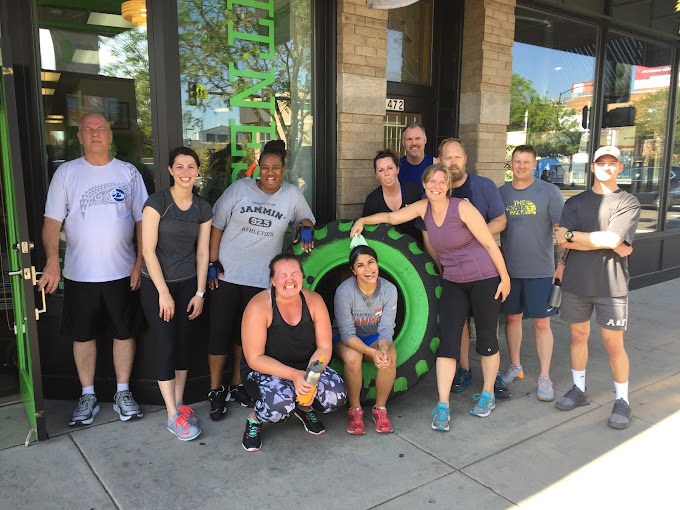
413, 272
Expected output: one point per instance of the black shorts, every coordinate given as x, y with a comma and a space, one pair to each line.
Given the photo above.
93, 310
226, 304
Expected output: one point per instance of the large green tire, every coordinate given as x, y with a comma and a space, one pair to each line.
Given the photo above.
412, 271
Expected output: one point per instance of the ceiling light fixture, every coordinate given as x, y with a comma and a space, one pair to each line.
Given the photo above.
50, 76
47, 92
134, 11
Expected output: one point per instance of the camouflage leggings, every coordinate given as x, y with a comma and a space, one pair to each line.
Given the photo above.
276, 399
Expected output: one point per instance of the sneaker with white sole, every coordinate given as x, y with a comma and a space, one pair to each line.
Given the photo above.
545, 390
442, 417
188, 412
485, 403
180, 426
126, 406
84, 413
513, 372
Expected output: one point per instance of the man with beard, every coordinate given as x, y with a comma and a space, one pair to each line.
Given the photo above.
597, 227
414, 163
484, 195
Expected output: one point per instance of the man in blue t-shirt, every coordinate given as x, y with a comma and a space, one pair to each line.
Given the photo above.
412, 166
484, 195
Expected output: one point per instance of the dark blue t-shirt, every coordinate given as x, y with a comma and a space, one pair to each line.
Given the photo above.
413, 173
483, 194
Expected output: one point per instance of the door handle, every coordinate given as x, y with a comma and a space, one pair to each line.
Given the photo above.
34, 274
16, 273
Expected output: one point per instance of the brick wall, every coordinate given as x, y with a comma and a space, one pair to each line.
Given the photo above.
362, 89
488, 36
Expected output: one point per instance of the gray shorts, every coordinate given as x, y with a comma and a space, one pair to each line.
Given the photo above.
610, 312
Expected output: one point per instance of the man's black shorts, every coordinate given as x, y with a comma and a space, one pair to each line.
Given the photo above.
99, 309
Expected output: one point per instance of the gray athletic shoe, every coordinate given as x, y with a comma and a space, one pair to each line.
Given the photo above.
126, 406
574, 397
620, 417
85, 410
513, 373
545, 390
442, 417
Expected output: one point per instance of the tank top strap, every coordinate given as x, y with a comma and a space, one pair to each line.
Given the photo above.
277, 320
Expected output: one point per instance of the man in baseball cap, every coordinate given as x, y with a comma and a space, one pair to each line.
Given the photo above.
597, 229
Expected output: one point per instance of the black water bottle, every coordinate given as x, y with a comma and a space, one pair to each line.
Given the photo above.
556, 294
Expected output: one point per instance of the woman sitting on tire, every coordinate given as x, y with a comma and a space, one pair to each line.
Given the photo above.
284, 330
392, 195
365, 308
470, 262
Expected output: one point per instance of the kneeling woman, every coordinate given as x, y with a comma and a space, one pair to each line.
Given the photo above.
284, 330
365, 308
175, 234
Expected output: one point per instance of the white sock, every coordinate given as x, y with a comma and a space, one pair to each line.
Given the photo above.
88, 390
621, 390
122, 387
579, 377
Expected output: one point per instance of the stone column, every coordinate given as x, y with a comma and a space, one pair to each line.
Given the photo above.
362, 90
488, 36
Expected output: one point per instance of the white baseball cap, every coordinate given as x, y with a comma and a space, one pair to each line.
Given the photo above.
607, 149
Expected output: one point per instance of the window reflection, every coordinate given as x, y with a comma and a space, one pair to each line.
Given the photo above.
95, 62
551, 93
409, 43
636, 81
246, 79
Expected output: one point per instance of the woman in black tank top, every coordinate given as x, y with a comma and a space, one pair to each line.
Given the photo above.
284, 330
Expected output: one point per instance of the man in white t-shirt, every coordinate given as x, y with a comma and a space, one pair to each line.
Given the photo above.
99, 201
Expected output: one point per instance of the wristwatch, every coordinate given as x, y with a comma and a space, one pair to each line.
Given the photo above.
200, 294
569, 236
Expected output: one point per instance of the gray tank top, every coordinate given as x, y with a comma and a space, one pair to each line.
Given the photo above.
462, 257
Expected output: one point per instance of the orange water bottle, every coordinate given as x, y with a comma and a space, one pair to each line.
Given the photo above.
312, 377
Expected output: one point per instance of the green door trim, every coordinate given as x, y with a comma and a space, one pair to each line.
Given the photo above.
19, 252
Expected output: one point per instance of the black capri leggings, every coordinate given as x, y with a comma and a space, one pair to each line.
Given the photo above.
227, 303
459, 300
170, 339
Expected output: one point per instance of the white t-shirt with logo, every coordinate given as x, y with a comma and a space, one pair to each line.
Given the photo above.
98, 206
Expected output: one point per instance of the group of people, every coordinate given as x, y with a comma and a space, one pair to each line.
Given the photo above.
274, 329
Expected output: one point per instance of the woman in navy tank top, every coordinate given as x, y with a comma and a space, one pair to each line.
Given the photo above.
284, 330
475, 282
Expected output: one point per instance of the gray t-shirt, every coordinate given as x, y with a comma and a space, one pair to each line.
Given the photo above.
358, 315
600, 273
254, 225
528, 237
177, 234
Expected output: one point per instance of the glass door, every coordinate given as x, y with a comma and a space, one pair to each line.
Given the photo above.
17, 270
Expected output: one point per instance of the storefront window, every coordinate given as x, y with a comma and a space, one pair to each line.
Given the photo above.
659, 15
551, 93
409, 43
636, 83
246, 72
98, 62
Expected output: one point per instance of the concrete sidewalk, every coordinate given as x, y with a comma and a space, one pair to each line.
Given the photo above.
527, 453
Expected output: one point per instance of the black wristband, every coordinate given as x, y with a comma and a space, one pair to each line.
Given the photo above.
217, 265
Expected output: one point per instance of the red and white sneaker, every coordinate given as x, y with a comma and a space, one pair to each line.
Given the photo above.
383, 425
355, 424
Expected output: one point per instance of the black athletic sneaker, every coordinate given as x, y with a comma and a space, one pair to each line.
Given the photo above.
500, 390
311, 422
218, 403
238, 394
252, 441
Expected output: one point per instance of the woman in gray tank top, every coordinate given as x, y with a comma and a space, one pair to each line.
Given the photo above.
475, 281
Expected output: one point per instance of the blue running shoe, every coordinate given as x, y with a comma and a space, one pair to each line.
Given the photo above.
462, 380
500, 390
485, 403
180, 426
442, 417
